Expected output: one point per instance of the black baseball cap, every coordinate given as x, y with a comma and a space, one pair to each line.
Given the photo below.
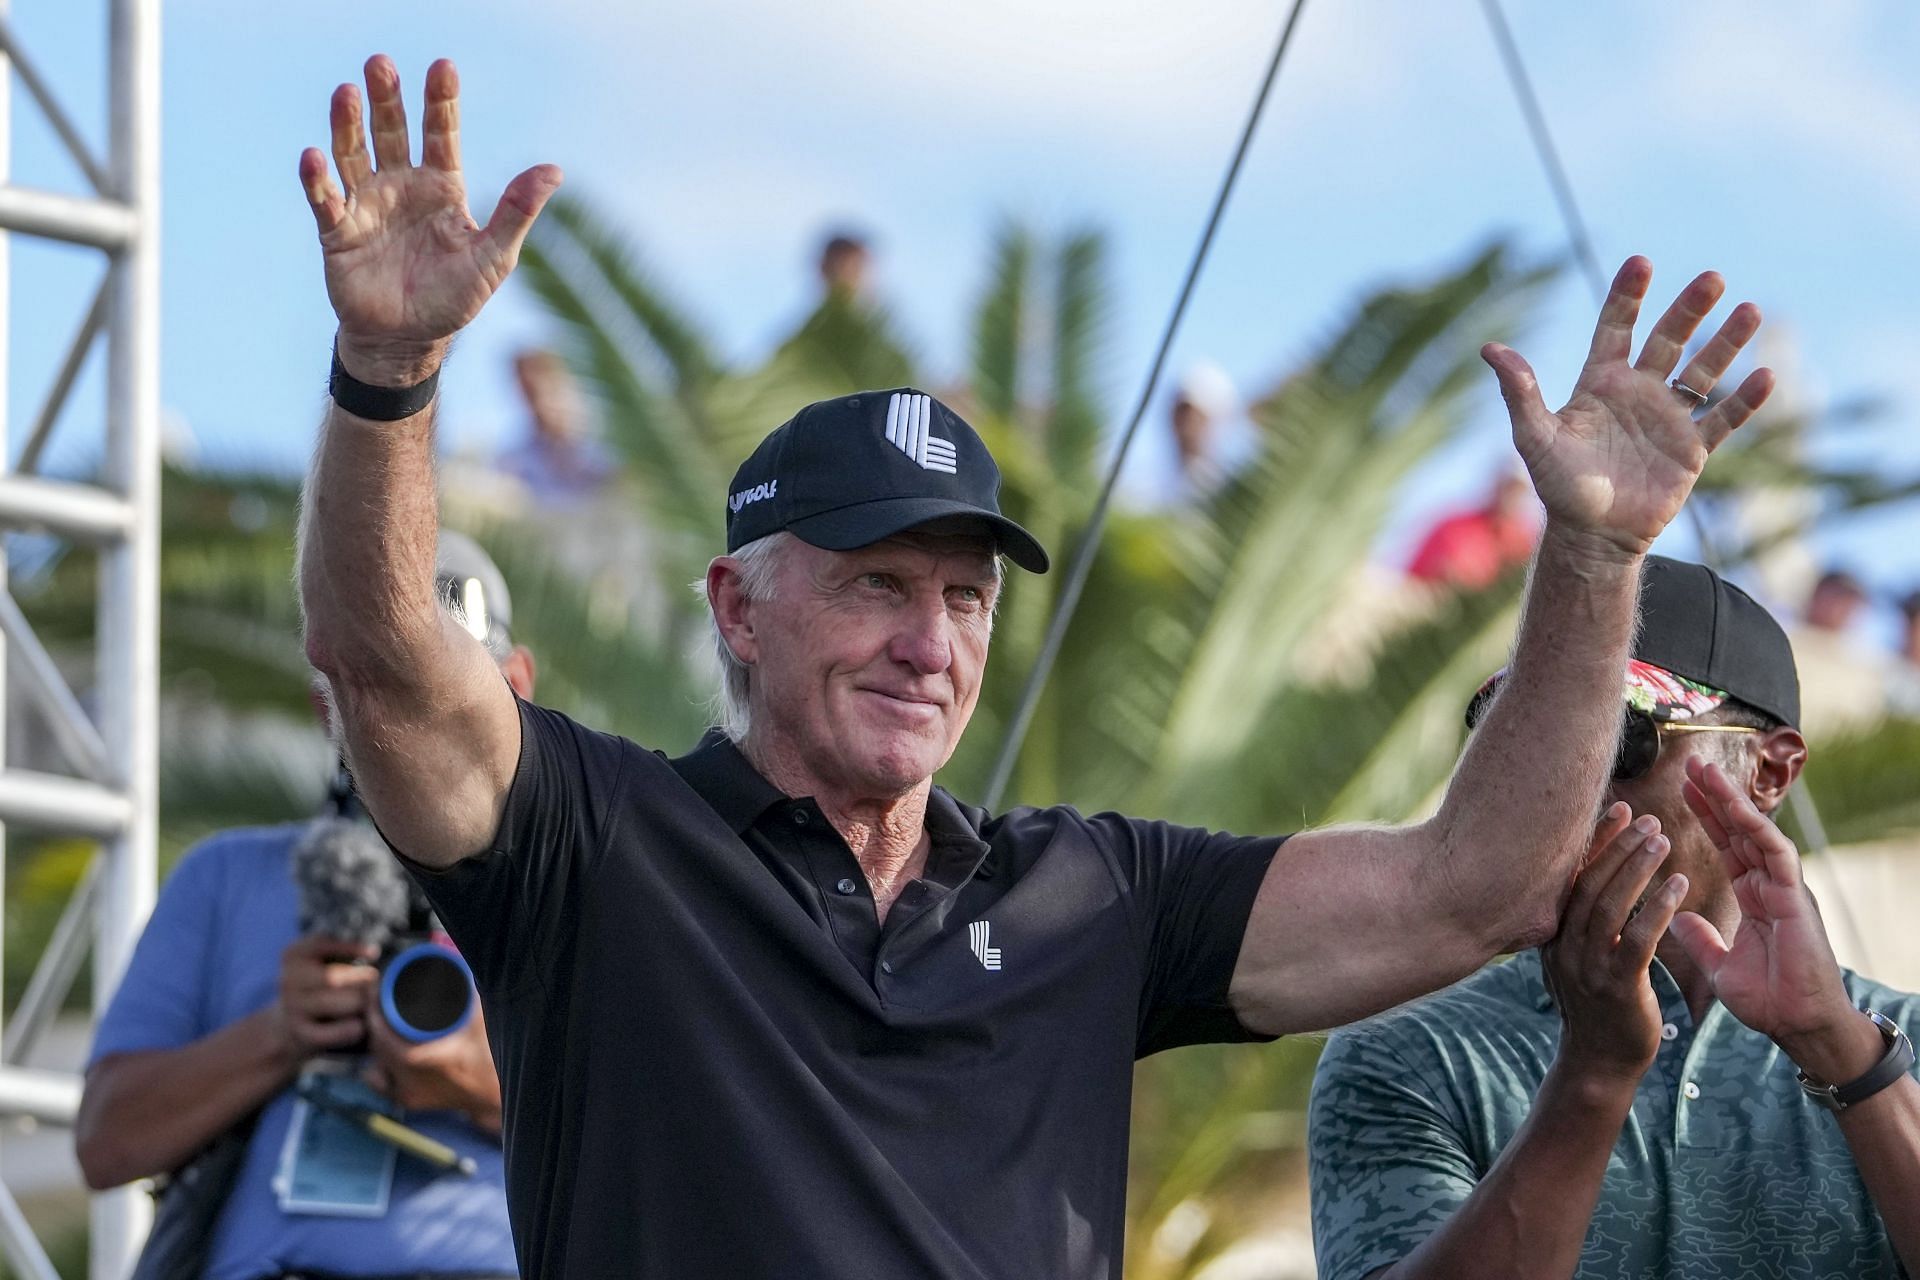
1715, 638
851, 471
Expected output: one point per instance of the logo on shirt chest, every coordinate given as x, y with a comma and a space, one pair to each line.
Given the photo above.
988, 955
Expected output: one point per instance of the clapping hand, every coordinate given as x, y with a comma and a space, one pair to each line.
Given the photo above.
1621, 457
1777, 974
1596, 965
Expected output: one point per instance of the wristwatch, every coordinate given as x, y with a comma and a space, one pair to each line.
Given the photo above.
1897, 1061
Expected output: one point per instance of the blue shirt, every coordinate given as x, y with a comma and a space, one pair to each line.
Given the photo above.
209, 957
1724, 1170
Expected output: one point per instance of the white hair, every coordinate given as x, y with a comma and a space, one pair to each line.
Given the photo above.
759, 563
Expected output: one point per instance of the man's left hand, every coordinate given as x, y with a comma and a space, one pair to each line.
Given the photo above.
1778, 975
452, 1073
1620, 458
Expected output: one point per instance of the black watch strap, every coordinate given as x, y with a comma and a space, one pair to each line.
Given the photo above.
379, 404
1896, 1062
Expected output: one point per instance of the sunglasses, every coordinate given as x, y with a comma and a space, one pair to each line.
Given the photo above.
1640, 736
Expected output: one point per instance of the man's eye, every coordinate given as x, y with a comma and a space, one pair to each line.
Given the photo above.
878, 581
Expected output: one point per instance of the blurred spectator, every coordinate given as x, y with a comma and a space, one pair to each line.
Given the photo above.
1204, 402
1471, 549
559, 463
1845, 682
1836, 602
844, 264
1903, 682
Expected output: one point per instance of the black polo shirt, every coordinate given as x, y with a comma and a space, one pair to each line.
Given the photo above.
717, 1064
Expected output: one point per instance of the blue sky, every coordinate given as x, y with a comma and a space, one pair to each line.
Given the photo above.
1779, 143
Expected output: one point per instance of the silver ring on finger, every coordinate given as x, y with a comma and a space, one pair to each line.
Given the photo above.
1694, 399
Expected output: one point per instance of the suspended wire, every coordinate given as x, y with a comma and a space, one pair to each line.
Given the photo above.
1806, 816
1082, 564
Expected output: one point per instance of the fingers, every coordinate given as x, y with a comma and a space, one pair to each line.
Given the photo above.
1616, 819
1617, 900
1613, 334
1584, 911
328, 206
390, 145
1671, 334
1712, 361
440, 123
1700, 940
519, 205
1532, 424
1641, 936
349, 139
1731, 413
323, 1034
1752, 835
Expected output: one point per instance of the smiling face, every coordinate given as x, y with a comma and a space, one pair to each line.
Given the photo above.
866, 664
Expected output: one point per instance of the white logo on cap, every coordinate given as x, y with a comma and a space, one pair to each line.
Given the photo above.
910, 430
748, 496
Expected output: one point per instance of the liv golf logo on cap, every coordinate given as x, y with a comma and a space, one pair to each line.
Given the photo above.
910, 430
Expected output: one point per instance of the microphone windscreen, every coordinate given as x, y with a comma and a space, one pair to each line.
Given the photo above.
350, 886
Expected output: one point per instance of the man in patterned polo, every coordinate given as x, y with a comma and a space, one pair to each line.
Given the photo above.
1683, 1082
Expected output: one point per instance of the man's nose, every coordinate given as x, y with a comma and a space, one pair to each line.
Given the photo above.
924, 640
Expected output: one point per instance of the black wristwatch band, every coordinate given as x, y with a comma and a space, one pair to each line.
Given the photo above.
379, 404
1897, 1061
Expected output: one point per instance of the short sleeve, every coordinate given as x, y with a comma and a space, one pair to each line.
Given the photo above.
511, 907
161, 1002
1192, 893
1386, 1165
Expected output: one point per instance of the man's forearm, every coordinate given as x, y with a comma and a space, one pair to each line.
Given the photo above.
368, 531
1522, 803
1884, 1135
146, 1113
1528, 1217
1883, 1132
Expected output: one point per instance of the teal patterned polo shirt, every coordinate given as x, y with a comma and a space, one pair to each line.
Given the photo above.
1725, 1170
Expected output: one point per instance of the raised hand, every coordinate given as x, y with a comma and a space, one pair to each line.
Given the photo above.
1778, 974
1596, 965
1622, 456
407, 267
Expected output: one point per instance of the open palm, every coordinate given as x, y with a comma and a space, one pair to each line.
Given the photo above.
1778, 975
406, 264
1623, 454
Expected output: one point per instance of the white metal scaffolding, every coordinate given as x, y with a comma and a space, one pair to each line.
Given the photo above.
109, 792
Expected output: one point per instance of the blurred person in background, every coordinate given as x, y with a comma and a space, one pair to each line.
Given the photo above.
559, 463
1835, 603
226, 1002
1471, 549
1204, 403
1652, 1093
780, 1005
1845, 680
845, 264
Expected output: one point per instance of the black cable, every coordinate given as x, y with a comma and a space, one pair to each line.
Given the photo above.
1800, 804
1543, 143
1090, 540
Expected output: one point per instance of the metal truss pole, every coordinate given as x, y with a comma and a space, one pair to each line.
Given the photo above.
110, 793
129, 616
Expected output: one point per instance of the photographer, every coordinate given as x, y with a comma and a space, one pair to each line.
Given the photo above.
227, 1001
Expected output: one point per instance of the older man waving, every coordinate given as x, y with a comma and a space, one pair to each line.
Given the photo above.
782, 1007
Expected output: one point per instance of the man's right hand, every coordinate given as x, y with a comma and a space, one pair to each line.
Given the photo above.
407, 266
324, 986
1596, 966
